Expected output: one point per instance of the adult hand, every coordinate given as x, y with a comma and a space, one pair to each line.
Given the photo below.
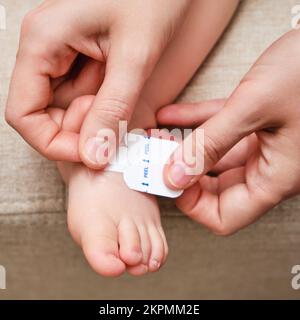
253, 142
121, 40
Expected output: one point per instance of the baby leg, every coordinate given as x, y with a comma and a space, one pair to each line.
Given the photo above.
116, 227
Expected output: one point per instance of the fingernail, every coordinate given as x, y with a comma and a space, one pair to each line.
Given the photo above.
178, 177
97, 150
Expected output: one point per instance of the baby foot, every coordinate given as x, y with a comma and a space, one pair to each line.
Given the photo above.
116, 227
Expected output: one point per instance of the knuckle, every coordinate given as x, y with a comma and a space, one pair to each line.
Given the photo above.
259, 106
36, 36
221, 229
83, 101
188, 209
31, 21
146, 57
211, 150
268, 189
11, 118
32, 29
47, 154
143, 57
112, 111
260, 93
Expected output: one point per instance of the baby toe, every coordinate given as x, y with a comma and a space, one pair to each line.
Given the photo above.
138, 270
142, 268
100, 246
130, 243
145, 244
157, 249
166, 247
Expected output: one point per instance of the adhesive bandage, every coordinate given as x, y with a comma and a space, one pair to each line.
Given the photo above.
141, 160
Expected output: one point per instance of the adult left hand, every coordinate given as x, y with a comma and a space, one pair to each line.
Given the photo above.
253, 143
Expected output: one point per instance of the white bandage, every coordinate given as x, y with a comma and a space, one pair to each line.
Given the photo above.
142, 159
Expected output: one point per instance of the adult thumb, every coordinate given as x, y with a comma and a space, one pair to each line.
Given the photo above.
124, 79
204, 147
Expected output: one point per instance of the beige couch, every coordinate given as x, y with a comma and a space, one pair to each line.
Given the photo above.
35, 247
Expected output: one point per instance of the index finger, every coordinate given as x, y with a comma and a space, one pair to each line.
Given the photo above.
29, 95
